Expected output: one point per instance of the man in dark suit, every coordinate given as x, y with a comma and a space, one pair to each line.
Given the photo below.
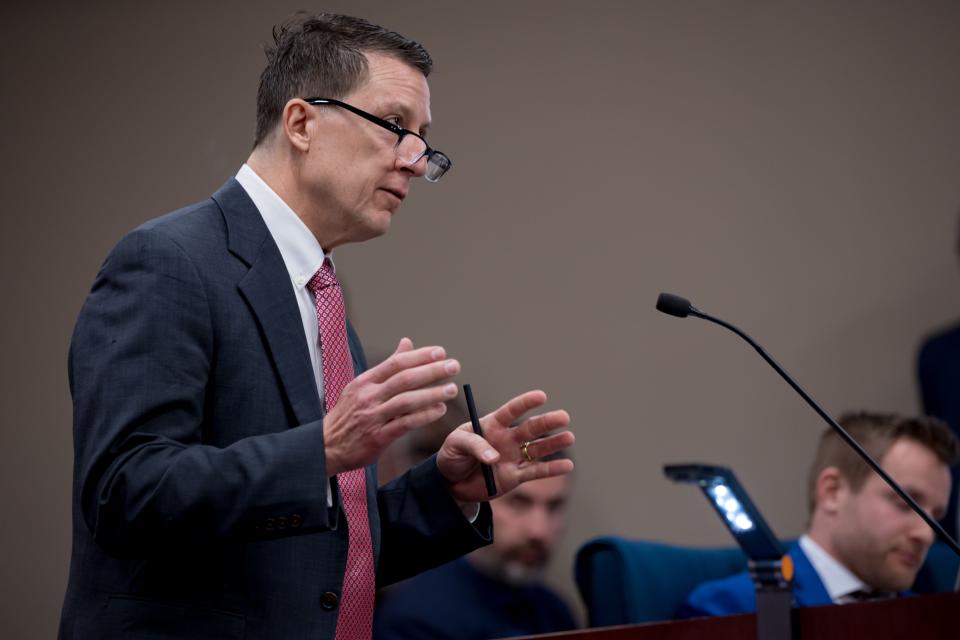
224, 481
938, 370
863, 541
497, 591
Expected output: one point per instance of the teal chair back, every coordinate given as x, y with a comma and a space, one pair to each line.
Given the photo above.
626, 581
631, 581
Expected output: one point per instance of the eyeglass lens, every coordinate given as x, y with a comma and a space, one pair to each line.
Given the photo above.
411, 148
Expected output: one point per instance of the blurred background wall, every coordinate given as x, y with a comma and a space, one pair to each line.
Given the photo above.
790, 166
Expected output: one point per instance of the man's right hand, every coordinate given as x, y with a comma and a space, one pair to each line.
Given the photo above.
385, 402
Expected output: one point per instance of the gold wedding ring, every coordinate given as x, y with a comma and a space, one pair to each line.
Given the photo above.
525, 452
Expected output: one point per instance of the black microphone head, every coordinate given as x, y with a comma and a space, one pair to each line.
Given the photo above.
673, 305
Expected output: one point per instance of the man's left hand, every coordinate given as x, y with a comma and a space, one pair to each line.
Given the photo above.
463, 451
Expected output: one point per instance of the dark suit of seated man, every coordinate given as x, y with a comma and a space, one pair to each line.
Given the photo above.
938, 370
863, 541
495, 592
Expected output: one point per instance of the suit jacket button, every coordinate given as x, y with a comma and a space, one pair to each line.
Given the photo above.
269, 524
281, 523
296, 520
329, 600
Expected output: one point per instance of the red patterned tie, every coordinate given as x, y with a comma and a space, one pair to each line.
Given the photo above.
355, 619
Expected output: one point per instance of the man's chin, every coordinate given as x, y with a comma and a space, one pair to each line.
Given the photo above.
509, 569
519, 574
381, 224
373, 228
896, 580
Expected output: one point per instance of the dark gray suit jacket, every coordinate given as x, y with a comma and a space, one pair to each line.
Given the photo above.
200, 494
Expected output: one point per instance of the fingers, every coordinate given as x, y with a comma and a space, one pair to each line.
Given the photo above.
399, 389
513, 409
537, 426
408, 369
543, 447
417, 377
415, 401
475, 446
461, 453
463, 450
538, 470
404, 423
404, 357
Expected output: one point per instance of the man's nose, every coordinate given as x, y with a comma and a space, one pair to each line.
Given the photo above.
538, 524
418, 168
921, 531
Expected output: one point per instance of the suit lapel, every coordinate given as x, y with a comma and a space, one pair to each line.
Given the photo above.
273, 304
809, 590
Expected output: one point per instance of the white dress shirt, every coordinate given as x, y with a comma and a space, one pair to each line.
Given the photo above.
839, 581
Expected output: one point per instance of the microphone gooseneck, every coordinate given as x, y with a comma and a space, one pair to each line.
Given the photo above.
680, 307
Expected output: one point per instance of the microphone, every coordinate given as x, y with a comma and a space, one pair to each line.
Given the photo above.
680, 307
673, 305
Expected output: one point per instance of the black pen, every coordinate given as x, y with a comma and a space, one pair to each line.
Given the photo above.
475, 421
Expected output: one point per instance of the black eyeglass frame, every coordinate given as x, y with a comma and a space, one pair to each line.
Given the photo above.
438, 159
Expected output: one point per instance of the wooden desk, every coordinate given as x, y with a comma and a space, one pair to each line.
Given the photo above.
930, 617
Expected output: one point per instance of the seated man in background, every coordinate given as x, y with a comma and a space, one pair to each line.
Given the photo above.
863, 541
938, 370
497, 591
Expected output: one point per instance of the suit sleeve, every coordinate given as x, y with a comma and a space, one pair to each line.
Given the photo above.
422, 525
140, 364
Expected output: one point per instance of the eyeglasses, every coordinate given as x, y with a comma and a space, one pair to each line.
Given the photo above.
410, 147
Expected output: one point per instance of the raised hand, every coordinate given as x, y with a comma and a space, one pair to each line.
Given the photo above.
502, 446
383, 403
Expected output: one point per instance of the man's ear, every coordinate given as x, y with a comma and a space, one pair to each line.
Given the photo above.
831, 488
294, 122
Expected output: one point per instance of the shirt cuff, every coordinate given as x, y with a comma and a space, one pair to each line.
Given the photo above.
471, 511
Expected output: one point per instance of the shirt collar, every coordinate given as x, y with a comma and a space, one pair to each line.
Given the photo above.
837, 579
301, 252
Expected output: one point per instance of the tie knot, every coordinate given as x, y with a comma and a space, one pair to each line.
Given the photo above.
323, 278
868, 595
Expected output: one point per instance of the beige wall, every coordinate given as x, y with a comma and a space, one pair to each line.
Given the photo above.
791, 166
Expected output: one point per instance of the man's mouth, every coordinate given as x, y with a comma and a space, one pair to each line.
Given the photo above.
909, 558
399, 194
529, 555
